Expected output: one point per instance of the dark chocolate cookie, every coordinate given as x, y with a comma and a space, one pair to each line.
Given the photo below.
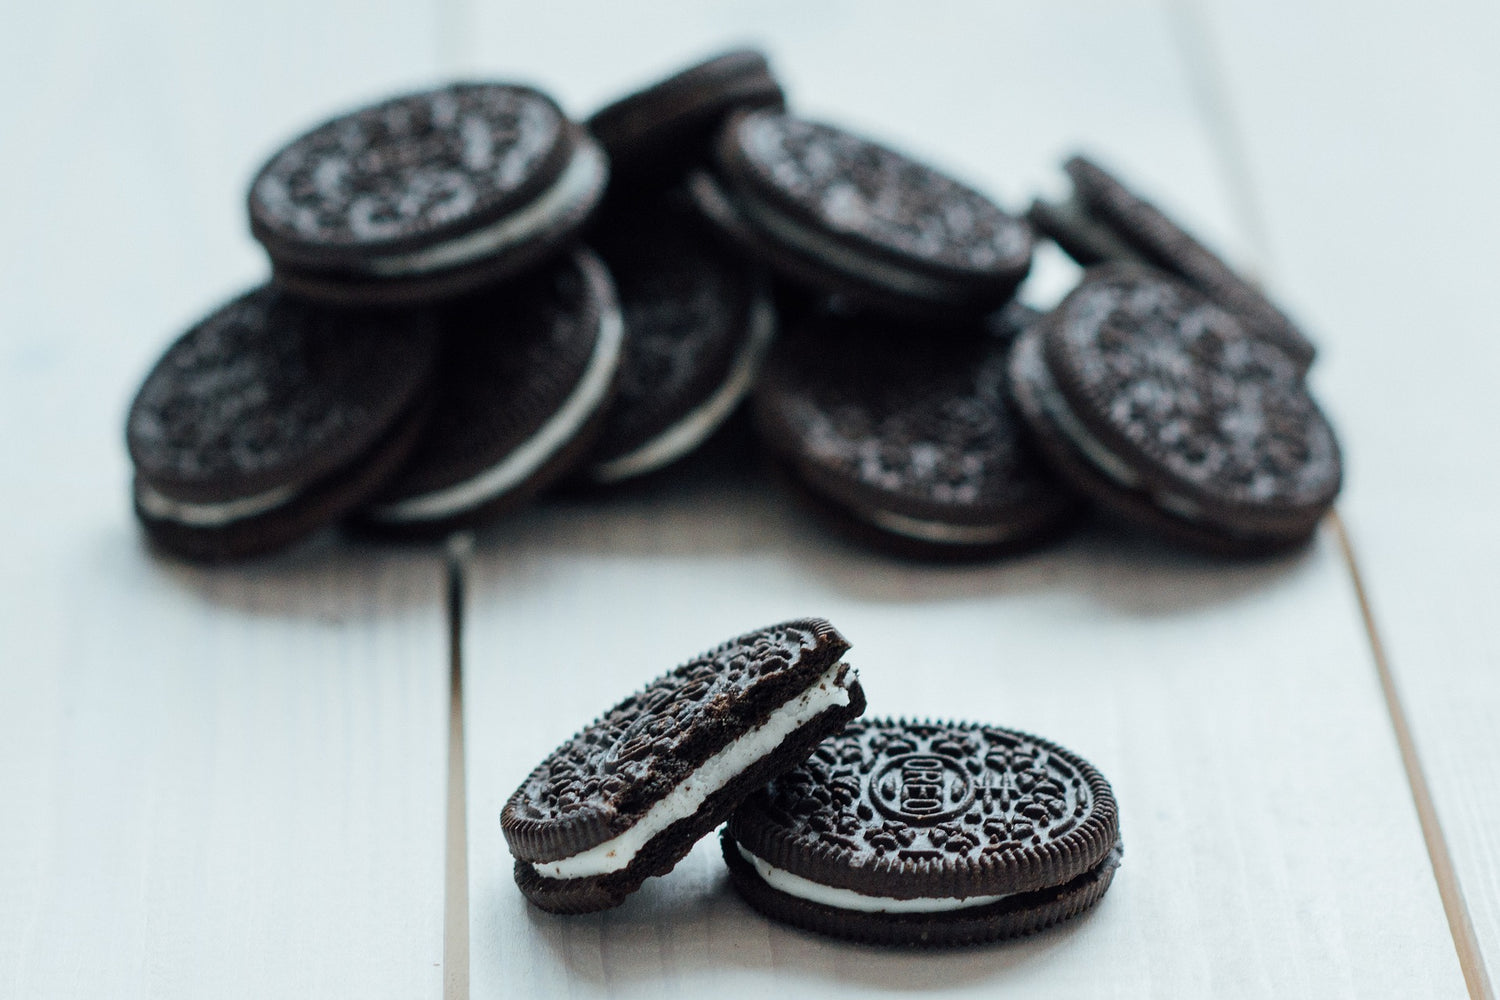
1106, 221
653, 134
272, 417
698, 322
628, 797
846, 215
1163, 407
526, 377
914, 438
927, 833
426, 196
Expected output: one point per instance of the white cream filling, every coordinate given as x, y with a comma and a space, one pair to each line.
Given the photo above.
936, 531
559, 429
848, 899
584, 175
841, 258
685, 435
213, 514
710, 776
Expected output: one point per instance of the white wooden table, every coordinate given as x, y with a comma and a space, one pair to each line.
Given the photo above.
238, 782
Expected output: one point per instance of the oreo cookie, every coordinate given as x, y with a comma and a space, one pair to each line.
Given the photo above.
911, 440
1105, 221
1167, 410
273, 417
698, 323
847, 216
527, 375
628, 796
426, 196
654, 134
927, 834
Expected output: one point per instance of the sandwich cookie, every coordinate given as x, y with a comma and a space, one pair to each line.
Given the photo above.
928, 834
1105, 221
698, 323
654, 134
912, 441
628, 797
1165, 409
273, 417
526, 376
427, 196
848, 216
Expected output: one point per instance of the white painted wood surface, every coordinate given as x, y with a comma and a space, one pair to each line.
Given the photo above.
1271, 843
212, 783
1370, 137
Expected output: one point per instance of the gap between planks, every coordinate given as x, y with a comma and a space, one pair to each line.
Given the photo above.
456, 840
1227, 137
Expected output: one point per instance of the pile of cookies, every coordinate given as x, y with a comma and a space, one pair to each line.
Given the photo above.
474, 298
885, 831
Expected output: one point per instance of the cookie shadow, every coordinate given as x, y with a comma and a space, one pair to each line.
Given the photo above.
721, 510
693, 923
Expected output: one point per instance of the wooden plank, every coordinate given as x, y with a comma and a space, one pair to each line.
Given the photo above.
1366, 131
1234, 707
215, 783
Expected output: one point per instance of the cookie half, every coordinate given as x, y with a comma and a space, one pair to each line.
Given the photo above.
273, 417
627, 797
655, 133
832, 210
698, 323
527, 374
913, 440
927, 833
1105, 221
1165, 409
426, 196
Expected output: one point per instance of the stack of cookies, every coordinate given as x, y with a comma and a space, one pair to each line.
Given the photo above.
474, 298
884, 831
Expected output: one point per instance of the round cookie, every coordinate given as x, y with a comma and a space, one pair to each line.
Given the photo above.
1165, 409
272, 417
1105, 221
655, 133
426, 196
927, 834
627, 797
912, 439
526, 377
848, 216
698, 323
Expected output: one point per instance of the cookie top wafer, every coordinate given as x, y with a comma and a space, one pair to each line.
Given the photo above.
915, 436
848, 215
426, 196
599, 783
1108, 222
657, 131
270, 391
1176, 396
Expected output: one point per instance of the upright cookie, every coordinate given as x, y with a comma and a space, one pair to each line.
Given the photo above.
527, 373
426, 196
927, 833
273, 417
628, 797
1105, 221
697, 325
914, 439
655, 133
845, 215
1166, 409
